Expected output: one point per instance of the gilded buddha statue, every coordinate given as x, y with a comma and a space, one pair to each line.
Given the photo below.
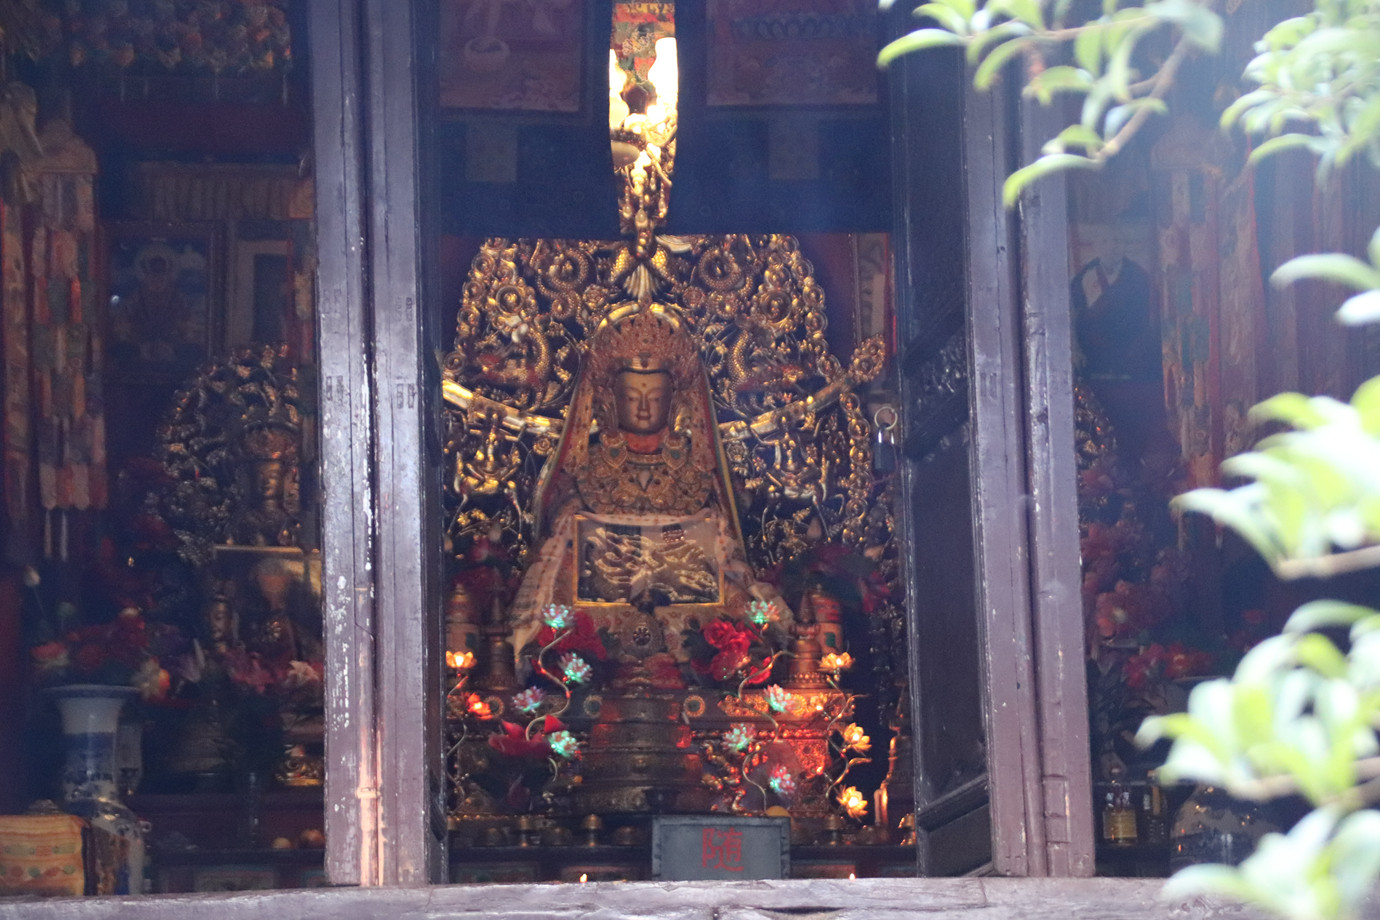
634, 510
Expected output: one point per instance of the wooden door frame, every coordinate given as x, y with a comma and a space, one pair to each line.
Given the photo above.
385, 790
385, 786
1025, 505
347, 438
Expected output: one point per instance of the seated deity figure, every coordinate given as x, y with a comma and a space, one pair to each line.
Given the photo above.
263, 515
634, 510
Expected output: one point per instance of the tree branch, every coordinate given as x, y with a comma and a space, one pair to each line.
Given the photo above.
1274, 787
1163, 81
1326, 566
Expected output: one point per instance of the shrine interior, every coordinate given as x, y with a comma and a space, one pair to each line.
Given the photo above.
701, 504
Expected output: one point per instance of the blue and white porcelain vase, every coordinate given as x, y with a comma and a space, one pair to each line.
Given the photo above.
90, 716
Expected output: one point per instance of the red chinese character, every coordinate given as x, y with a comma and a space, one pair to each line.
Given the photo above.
722, 850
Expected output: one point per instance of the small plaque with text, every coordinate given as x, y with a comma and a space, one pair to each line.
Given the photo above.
687, 847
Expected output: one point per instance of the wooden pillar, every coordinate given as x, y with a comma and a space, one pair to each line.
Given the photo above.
347, 436
1051, 479
995, 384
380, 525
1024, 500
1000, 506
407, 457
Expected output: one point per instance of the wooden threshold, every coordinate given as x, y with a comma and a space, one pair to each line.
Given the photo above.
863, 899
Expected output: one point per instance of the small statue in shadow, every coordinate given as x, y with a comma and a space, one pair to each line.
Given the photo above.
267, 500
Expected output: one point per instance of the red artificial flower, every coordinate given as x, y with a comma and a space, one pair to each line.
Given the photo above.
128, 638
515, 743
50, 656
89, 657
1185, 662
728, 635
581, 638
727, 663
1145, 666
760, 673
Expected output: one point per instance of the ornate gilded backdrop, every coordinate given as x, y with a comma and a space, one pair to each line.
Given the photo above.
796, 434
653, 696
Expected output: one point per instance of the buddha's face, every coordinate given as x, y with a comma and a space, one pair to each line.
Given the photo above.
644, 401
220, 621
268, 482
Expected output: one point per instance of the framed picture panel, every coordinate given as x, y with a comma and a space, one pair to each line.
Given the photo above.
165, 285
516, 57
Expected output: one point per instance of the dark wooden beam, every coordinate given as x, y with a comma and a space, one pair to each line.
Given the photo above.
347, 436
864, 899
1000, 504
408, 528
1051, 470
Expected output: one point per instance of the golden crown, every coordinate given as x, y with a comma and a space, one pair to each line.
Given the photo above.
269, 442
644, 340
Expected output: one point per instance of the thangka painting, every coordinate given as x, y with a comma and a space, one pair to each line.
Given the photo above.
637, 24
792, 52
499, 55
165, 303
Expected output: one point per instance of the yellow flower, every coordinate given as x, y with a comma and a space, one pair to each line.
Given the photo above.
855, 738
853, 802
460, 661
836, 661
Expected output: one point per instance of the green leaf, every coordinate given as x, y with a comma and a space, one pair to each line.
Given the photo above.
1265, 467
1355, 857
1234, 509
966, 8
1360, 309
996, 59
1044, 166
1061, 79
1243, 104
986, 39
1198, 751
1362, 128
1294, 409
1316, 651
1119, 115
1330, 266
1251, 712
1322, 614
945, 15
1075, 136
1289, 32
1366, 402
919, 40
1087, 48
1266, 659
1365, 662
1027, 11
1203, 28
1119, 73
1276, 144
